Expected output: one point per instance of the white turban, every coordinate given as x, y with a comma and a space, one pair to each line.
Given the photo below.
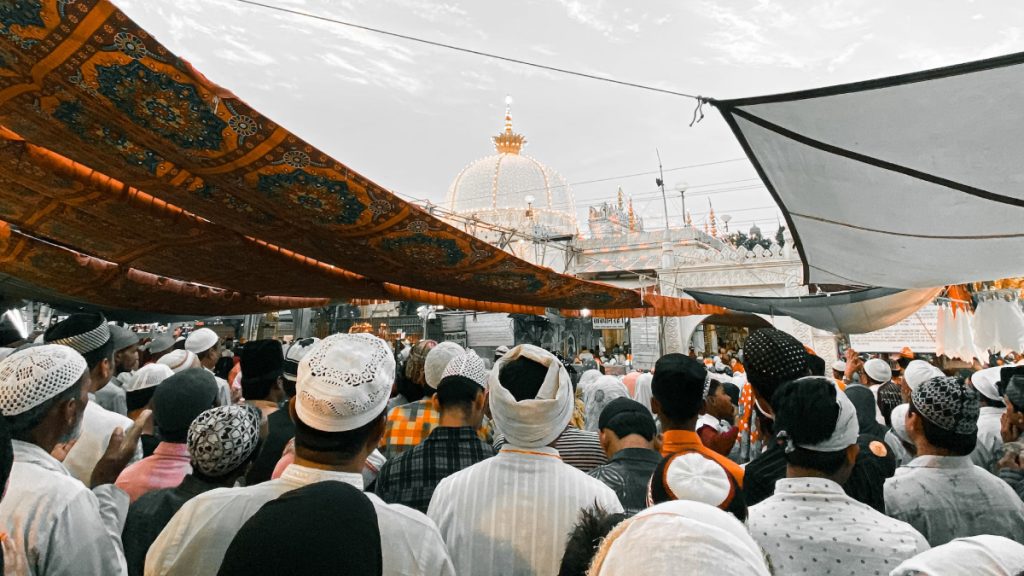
986, 382
680, 537
537, 422
846, 431
983, 555
438, 359
598, 395
918, 372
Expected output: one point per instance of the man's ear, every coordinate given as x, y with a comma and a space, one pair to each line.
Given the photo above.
106, 367
481, 401
851, 453
655, 406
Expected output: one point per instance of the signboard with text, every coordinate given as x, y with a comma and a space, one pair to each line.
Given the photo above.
917, 331
609, 323
490, 330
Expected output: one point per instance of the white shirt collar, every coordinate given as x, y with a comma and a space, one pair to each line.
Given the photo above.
808, 485
303, 476
28, 453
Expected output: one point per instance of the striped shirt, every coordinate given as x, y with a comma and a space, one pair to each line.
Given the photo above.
512, 514
577, 448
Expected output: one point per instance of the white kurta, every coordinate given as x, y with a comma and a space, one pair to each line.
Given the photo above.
223, 389
810, 525
990, 439
196, 539
947, 497
512, 514
63, 527
98, 424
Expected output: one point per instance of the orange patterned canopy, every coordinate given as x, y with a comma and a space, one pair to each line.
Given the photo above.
129, 180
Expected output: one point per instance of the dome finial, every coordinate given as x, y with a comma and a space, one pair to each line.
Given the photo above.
508, 142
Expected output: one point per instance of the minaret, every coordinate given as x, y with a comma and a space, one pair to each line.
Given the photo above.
508, 142
632, 216
620, 199
714, 225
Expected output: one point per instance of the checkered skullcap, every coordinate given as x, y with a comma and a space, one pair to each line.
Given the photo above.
949, 404
34, 375
772, 357
222, 439
467, 365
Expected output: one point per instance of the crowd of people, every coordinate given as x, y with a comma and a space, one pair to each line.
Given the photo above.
341, 456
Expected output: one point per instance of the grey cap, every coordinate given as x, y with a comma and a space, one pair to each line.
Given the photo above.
123, 337
161, 344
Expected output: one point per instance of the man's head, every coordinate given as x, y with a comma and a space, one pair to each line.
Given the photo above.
179, 399
986, 384
680, 386
292, 356
839, 369
462, 392
719, 403
772, 357
530, 396
817, 425
160, 346
437, 360
879, 371
262, 370
140, 389
585, 539
223, 441
414, 366
89, 335
179, 360
126, 349
342, 391
43, 394
943, 417
626, 423
205, 344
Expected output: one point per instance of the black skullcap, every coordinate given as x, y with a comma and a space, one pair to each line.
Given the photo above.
626, 416
262, 359
298, 533
773, 357
678, 385
180, 398
1015, 392
83, 332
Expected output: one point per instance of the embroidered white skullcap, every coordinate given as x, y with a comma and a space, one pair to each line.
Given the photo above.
919, 371
34, 375
468, 365
201, 340
438, 359
986, 382
179, 360
222, 439
344, 382
878, 370
148, 376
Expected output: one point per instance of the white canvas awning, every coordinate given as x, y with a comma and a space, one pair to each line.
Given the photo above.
911, 181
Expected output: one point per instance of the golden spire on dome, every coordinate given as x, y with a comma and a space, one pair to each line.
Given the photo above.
632, 216
714, 223
508, 142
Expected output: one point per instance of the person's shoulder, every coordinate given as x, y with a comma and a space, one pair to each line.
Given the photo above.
102, 417
400, 515
33, 482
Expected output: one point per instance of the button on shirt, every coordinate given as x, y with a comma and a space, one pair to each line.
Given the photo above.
947, 497
512, 514
166, 468
990, 439
195, 540
810, 526
64, 528
411, 478
628, 473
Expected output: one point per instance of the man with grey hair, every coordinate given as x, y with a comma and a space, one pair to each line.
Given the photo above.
512, 514
61, 526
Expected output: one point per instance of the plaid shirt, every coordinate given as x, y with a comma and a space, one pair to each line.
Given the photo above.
408, 425
411, 478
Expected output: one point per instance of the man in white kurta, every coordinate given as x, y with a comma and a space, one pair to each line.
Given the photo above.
343, 386
990, 439
512, 514
60, 526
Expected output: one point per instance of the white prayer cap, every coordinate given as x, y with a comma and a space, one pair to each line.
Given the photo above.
878, 370
34, 375
294, 354
438, 359
536, 422
679, 537
467, 365
692, 476
344, 382
178, 360
919, 371
898, 417
839, 366
984, 555
148, 376
201, 340
986, 382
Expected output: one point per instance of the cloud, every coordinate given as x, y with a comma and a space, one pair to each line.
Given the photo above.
1010, 40
844, 56
587, 14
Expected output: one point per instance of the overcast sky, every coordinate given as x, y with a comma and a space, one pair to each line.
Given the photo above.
411, 116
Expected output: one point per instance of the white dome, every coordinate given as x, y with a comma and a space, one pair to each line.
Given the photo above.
511, 190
